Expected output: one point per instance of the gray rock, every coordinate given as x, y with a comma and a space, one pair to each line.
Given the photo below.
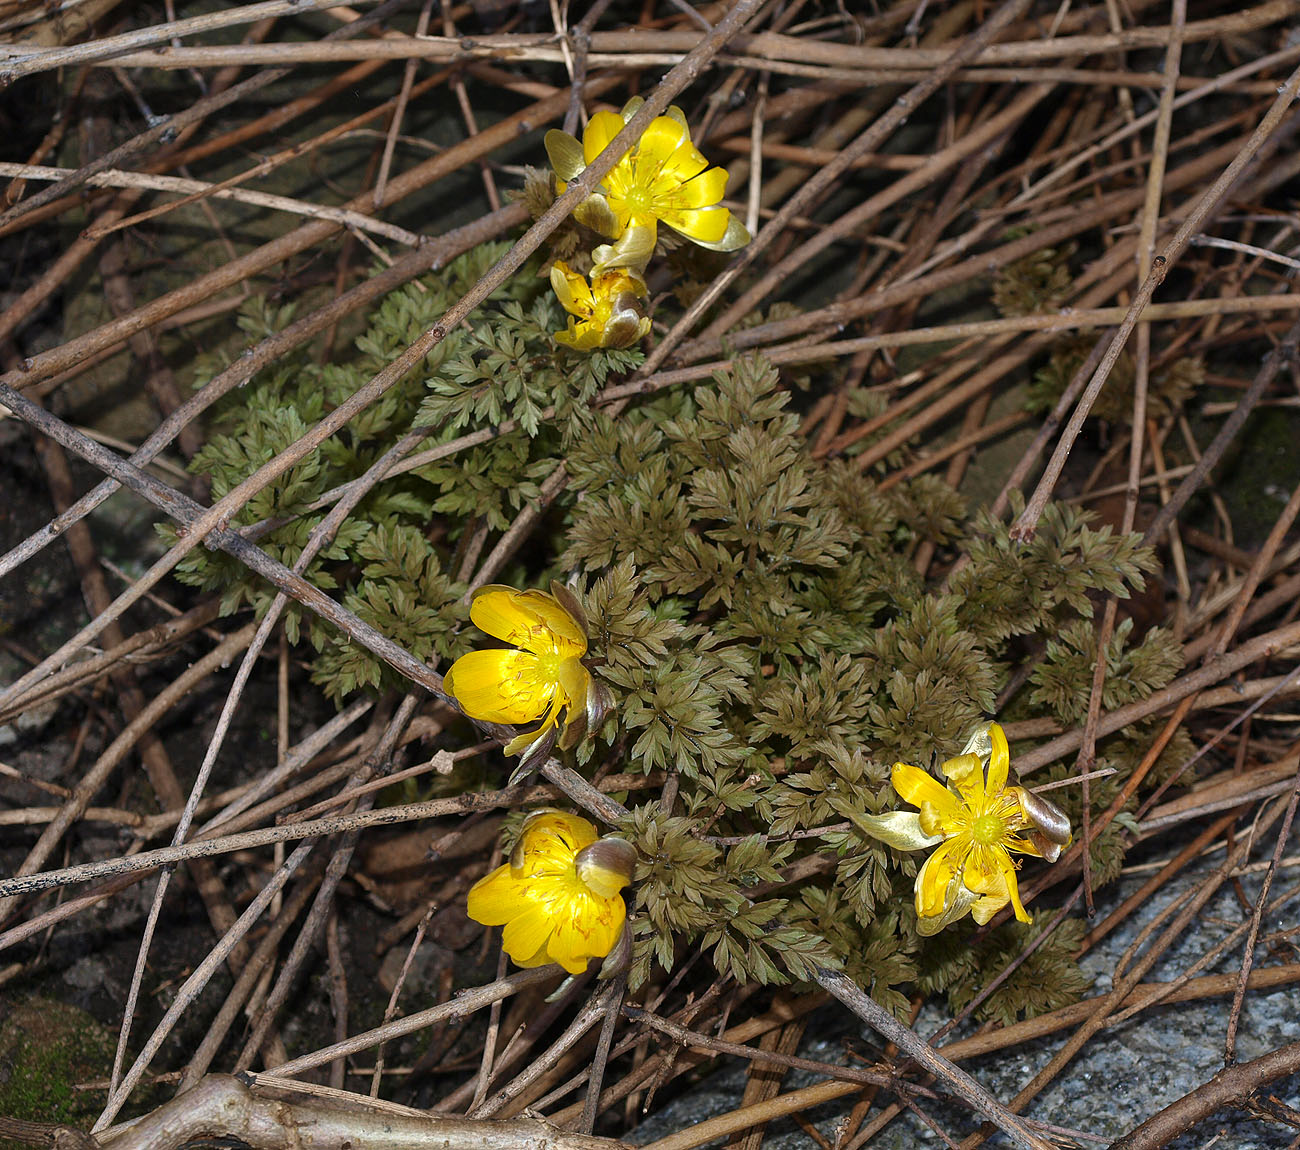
1123, 1075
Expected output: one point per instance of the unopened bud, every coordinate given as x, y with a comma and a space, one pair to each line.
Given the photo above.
606, 866
1051, 825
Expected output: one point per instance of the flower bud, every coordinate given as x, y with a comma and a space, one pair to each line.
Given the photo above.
1051, 831
606, 866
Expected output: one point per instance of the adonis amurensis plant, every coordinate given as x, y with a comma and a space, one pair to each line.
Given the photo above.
746, 621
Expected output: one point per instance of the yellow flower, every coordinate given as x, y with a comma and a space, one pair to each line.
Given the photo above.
662, 176
608, 312
558, 896
975, 823
541, 680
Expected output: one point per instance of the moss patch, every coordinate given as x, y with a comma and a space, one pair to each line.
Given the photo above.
46, 1048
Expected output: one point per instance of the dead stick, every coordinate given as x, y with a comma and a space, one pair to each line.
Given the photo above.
920, 1051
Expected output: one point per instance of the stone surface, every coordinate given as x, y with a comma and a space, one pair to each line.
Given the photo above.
1123, 1076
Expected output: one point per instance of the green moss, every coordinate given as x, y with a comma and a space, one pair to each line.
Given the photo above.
1260, 471
46, 1048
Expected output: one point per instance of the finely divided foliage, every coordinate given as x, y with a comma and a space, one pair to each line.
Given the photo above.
754, 612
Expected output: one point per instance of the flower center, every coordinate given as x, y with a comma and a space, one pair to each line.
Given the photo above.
987, 830
638, 199
548, 668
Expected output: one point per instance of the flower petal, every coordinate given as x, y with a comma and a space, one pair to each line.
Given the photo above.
526, 936
1014, 888
966, 774
606, 866
988, 904
934, 879
631, 251
572, 289
601, 128
999, 759
901, 829
917, 786
538, 741
979, 743
587, 927
565, 154
495, 898
704, 226
736, 236
528, 619
703, 191
984, 869
957, 902
548, 842
499, 686
991, 871
657, 145
583, 336
1044, 815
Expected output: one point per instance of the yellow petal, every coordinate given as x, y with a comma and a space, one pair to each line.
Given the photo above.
917, 787
549, 841
579, 336
901, 829
525, 937
601, 128
685, 164
528, 619
520, 743
984, 869
934, 878
999, 759
704, 226
586, 928
499, 686
986, 906
1013, 887
966, 773
703, 191
572, 289
495, 898
575, 680
736, 236
658, 143
958, 901
990, 871
936, 822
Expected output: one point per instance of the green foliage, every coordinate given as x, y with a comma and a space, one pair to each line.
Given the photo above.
506, 368
1047, 980
1063, 680
770, 644
401, 590
688, 886
389, 560
754, 612
1021, 588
